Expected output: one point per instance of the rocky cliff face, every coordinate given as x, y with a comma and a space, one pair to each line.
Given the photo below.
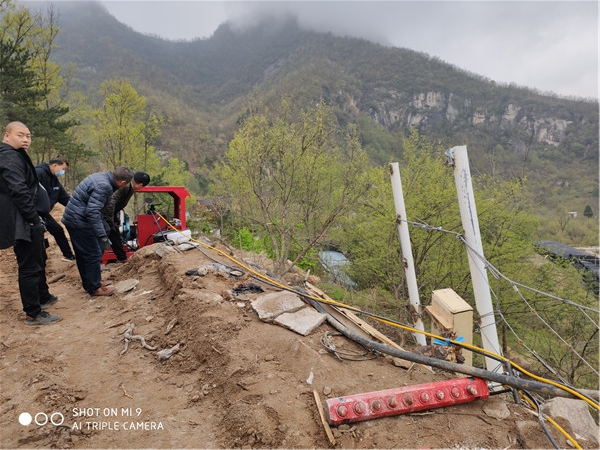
425, 109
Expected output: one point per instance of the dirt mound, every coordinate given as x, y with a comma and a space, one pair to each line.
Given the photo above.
232, 381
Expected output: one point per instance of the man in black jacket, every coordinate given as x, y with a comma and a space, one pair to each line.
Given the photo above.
118, 202
20, 224
48, 174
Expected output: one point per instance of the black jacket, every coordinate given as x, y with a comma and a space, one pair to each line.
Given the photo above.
54, 188
117, 202
18, 195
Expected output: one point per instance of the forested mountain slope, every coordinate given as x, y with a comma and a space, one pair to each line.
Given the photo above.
202, 87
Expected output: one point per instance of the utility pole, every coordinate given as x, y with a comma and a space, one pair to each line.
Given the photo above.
407, 257
479, 278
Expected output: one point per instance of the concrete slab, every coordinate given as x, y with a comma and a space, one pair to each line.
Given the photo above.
184, 247
302, 322
271, 305
163, 250
126, 285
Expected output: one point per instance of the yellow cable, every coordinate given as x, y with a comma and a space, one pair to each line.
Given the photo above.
556, 425
388, 322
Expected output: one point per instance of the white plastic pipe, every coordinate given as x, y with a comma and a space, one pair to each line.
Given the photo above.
407, 257
479, 278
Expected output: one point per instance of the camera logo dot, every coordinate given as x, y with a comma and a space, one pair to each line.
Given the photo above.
42, 419
25, 419
55, 417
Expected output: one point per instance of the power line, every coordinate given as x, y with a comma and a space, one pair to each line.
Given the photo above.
515, 285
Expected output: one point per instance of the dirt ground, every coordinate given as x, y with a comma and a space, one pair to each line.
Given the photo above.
236, 382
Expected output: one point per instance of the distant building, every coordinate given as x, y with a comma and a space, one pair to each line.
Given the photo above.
588, 262
572, 214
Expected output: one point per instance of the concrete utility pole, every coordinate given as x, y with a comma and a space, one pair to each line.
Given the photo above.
470, 222
407, 257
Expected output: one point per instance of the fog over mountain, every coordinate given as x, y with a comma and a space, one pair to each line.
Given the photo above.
548, 46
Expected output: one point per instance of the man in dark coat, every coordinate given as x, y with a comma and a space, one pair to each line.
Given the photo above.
20, 224
48, 174
118, 202
83, 219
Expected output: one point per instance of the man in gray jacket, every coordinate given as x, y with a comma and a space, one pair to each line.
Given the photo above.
20, 223
118, 202
83, 219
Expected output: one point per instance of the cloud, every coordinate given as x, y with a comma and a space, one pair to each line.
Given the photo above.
175, 20
549, 46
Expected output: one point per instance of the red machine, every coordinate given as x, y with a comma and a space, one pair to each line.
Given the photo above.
391, 402
150, 228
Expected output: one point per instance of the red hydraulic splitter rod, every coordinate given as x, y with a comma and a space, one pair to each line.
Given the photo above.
391, 402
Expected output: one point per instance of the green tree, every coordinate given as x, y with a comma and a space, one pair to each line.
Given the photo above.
19, 85
370, 237
29, 82
52, 134
292, 174
151, 133
587, 212
174, 174
122, 130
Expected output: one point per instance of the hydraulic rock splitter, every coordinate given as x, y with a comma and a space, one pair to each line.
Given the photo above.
150, 227
391, 402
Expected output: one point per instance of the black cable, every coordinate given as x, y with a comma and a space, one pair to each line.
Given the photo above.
459, 344
147, 239
541, 418
351, 356
469, 348
502, 379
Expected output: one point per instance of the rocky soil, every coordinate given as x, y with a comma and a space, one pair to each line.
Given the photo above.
229, 380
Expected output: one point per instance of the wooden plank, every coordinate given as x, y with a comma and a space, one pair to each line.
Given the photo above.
356, 324
337, 314
323, 420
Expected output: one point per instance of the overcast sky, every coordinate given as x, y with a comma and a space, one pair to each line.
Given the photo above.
549, 46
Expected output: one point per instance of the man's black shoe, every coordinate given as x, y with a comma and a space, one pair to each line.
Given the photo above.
43, 318
45, 305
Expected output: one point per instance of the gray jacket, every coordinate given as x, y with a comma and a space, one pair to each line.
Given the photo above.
84, 210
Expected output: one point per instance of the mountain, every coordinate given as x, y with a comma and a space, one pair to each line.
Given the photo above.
202, 87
